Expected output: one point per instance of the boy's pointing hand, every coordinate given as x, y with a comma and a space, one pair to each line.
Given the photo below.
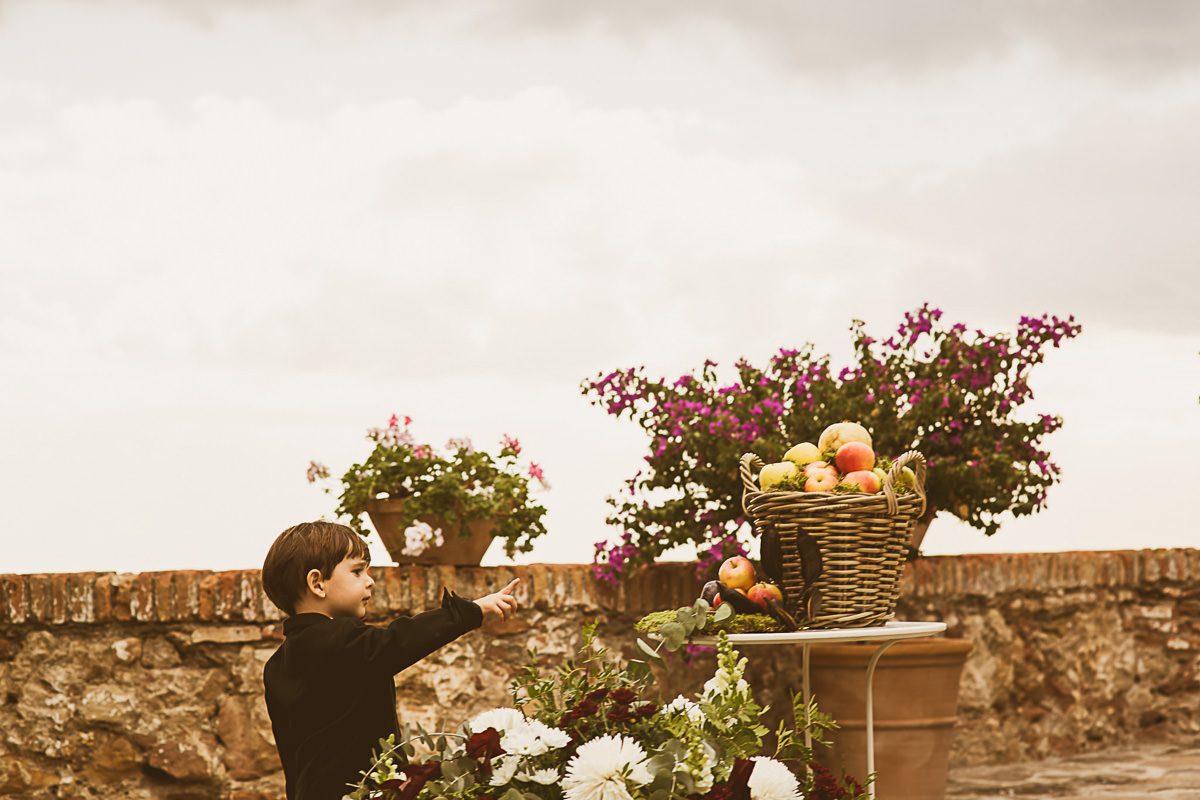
501, 603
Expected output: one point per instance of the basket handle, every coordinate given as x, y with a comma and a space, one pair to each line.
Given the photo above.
749, 464
917, 461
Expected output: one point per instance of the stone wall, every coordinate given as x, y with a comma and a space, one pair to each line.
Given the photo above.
149, 685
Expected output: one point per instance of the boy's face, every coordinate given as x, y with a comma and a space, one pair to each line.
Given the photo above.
348, 590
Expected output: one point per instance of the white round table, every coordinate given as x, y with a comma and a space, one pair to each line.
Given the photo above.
886, 635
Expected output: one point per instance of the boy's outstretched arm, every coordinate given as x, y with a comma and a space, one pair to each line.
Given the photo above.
406, 640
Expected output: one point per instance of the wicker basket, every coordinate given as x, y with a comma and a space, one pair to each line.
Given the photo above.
862, 540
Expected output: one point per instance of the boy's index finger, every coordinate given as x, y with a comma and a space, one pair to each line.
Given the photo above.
511, 584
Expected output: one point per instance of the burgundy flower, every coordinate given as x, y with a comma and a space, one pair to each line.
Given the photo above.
620, 714
484, 746
595, 696
624, 695
415, 778
646, 709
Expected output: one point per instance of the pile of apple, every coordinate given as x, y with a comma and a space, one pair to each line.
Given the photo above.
842, 460
737, 576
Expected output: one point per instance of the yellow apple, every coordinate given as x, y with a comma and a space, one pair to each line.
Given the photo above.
774, 474
803, 453
840, 433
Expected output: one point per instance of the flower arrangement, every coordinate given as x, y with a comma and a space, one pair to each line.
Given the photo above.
588, 731
459, 485
947, 391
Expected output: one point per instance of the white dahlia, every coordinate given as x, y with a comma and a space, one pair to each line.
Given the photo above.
543, 776
603, 768
502, 719
772, 780
503, 769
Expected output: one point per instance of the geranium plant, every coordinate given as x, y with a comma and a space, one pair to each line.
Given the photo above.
590, 731
458, 484
953, 393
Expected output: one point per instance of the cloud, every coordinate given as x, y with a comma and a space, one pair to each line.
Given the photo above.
1132, 39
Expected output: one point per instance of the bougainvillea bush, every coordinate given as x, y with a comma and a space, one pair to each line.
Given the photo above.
457, 483
954, 393
590, 731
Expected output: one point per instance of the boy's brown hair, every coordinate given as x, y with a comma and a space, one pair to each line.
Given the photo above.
316, 545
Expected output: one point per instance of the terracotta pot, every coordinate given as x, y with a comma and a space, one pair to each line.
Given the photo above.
386, 516
916, 707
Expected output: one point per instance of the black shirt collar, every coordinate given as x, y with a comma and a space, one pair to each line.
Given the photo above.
298, 622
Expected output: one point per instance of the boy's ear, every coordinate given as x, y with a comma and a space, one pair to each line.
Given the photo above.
315, 582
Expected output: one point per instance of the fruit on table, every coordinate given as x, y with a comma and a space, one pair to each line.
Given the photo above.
817, 468
774, 474
864, 479
761, 592
840, 433
803, 453
907, 478
879, 473
738, 599
737, 573
854, 456
823, 481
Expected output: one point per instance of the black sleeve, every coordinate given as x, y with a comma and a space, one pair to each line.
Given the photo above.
406, 640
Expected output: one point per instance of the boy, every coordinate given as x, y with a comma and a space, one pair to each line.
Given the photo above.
329, 686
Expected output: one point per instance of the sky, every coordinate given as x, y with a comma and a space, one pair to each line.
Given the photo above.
235, 235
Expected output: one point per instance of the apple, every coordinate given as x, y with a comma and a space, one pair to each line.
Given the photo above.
823, 481
759, 593
864, 479
854, 456
907, 479
840, 433
816, 468
774, 474
803, 453
718, 600
879, 473
737, 573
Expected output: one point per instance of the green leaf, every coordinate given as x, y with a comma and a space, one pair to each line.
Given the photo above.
648, 650
724, 612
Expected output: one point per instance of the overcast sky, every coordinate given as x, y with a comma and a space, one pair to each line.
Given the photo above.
235, 235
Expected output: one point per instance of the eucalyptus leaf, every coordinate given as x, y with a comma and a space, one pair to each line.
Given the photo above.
648, 650
724, 612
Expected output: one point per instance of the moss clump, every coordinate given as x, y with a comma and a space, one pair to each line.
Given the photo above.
738, 623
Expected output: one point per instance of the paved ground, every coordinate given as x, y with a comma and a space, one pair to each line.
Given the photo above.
1150, 772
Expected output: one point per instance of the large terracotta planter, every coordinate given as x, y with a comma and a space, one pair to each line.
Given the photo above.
462, 550
916, 707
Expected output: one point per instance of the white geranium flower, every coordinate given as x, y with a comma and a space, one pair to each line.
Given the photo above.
772, 780
603, 768
503, 769
543, 776
682, 705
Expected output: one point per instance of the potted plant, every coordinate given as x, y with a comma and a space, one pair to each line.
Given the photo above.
943, 390
432, 507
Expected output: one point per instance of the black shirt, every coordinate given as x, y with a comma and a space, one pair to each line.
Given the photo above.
330, 692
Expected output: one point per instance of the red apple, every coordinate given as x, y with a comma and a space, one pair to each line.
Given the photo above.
864, 479
823, 481
737, 573
717, 600
815, 468
854, 456
759, 593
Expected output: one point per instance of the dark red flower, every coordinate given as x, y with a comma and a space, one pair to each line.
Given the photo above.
736, 788
586, 709
624, 695
595, 696
415, 778
484, 746
620, 714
